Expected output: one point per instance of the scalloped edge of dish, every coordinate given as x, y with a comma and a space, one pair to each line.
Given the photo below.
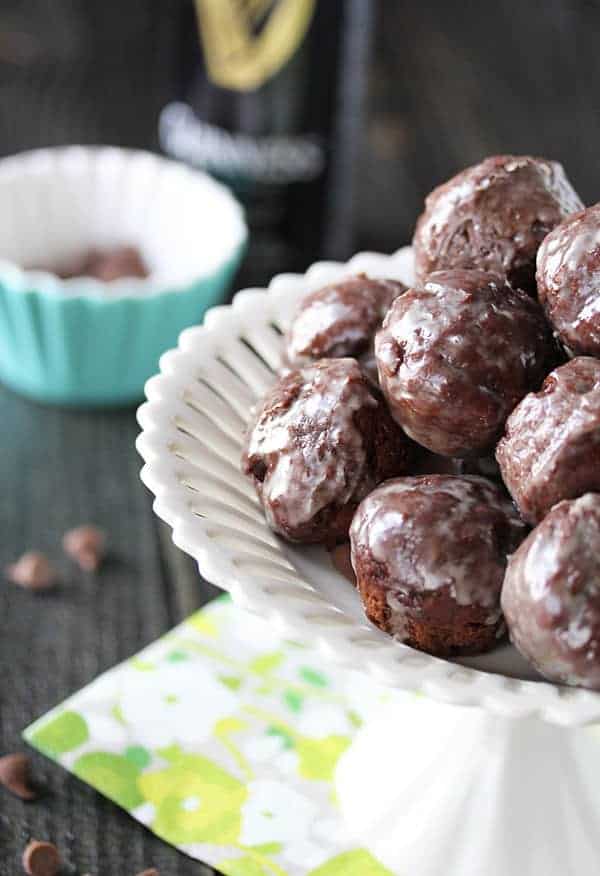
301, 612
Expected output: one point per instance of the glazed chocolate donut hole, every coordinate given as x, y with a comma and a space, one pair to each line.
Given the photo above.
340, 320
551, 597
494, 216
551, 449
429, 555
455, 357
319, 441
568, 280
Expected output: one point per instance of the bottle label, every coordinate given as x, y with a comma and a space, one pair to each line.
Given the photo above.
247, 42
238, 158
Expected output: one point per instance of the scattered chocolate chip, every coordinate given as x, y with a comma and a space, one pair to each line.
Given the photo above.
41, 859
14, 775
105, 265
86, 545
32, 571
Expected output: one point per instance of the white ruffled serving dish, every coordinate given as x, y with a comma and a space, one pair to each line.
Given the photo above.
193, 424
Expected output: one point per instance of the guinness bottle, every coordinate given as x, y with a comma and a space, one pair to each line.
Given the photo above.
271, 102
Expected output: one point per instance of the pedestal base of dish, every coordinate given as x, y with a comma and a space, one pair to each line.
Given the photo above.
434, 789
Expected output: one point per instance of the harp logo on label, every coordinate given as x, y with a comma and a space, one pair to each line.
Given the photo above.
246, 42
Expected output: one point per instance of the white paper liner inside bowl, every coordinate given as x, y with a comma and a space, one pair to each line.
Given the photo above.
56, 204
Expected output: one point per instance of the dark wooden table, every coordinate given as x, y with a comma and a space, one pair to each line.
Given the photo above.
450, 83
59, 469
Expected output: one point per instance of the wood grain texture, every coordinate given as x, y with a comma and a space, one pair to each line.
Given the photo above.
72, 71
59, 469
453, 82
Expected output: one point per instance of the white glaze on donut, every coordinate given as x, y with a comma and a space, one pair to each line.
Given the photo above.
313, 449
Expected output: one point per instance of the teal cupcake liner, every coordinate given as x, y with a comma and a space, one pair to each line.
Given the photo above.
81, 342
88, 351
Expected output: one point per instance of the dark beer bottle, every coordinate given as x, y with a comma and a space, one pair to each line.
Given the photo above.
270, 102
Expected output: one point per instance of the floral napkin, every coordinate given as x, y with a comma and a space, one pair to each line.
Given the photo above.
223, 739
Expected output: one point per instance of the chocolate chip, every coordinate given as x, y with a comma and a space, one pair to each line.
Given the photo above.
41, 859
105, 265
32, 571
14, 775
85, 545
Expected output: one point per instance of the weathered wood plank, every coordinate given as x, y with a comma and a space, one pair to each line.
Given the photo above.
58, 469
454, 82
